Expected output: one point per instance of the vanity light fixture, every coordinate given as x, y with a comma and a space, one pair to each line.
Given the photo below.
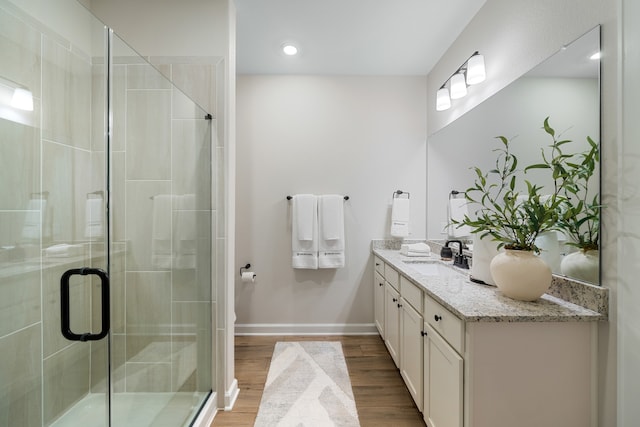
471, 72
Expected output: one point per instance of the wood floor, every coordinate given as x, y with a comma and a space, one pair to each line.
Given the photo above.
381, 397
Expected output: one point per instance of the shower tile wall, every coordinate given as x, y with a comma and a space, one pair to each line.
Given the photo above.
163, 151
46, 151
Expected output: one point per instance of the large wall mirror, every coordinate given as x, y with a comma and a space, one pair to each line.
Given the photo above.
565, 88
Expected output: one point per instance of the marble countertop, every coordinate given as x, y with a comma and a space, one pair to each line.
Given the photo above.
475, 302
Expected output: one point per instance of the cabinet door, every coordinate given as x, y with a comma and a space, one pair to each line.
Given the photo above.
392, 322
443, 375
378, 298
411, 364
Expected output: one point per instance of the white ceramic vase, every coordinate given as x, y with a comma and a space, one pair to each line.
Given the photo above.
520, 275
582, 265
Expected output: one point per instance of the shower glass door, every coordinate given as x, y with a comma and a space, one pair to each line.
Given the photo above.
105, 226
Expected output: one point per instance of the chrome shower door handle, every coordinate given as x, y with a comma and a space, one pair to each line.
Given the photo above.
65, 324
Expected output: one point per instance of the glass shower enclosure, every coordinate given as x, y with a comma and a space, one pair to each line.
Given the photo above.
105, 229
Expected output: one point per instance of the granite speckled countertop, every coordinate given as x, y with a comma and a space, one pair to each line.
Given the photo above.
474, 302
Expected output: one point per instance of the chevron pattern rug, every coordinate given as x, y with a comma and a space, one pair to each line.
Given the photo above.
307, 386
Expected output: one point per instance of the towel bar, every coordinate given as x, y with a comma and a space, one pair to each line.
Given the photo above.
291, 197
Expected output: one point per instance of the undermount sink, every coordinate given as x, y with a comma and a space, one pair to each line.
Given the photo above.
432, 268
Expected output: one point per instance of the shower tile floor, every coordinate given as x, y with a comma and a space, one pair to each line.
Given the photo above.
134, 410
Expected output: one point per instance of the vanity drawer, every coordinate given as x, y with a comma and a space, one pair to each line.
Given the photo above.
377, 262
392, 276
411, 293
446, 323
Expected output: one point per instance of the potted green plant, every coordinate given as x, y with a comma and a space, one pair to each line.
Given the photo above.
514, 218
579, 208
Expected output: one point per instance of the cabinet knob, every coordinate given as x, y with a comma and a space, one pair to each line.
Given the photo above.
399, 305
377, 264
423, 333
395, 300
437, 318
380, 284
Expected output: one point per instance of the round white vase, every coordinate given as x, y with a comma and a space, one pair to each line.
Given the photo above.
520, 275
582, 265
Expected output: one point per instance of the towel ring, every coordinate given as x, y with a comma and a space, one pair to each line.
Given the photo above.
398, 193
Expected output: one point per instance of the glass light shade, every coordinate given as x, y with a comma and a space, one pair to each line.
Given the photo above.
22, 99
458, 86
443, 102
289, 49
475, 70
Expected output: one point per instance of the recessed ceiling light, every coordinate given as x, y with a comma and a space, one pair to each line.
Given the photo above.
289, 49
595, 56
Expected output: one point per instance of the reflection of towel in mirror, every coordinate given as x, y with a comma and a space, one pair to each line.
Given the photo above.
457, 211
400, 217
304, 232
331, 231
161, 231
94, 214
32, 222
185, 231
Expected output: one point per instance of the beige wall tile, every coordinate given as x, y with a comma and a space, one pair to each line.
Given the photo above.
20, 302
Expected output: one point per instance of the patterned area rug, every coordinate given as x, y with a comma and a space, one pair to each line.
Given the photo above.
307, 386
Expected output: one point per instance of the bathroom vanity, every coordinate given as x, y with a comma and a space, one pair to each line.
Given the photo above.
471, 357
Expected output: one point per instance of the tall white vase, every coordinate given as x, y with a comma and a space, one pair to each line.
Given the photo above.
483, 252
582, 265
520, 275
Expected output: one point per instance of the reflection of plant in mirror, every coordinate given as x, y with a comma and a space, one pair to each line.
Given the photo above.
579, 216
512, 219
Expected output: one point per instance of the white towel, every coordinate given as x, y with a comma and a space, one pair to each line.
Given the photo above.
185, 232
400, 217
161, 253
33, 219
304, 232
331, 231
415, 249
457, 211
94, 218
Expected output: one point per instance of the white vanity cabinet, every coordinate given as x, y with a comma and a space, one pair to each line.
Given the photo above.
443, 367
472, 358
411, 345
378, 295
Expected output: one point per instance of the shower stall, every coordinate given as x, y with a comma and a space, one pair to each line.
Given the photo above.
107, 229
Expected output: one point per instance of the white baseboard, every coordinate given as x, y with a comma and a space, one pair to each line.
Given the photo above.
231, 395
306, 329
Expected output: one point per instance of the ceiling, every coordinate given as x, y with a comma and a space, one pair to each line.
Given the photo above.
348, 37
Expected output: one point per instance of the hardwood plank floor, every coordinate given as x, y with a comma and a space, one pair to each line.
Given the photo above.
382, 399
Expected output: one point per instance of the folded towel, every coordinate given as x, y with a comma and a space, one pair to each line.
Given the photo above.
304, 232
400, 208
305, 215
331, 231
63, 250
416, 249
457, 208
94, 214
161, 231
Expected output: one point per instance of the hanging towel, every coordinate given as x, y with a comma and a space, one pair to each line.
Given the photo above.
331, 231
304, 232
400, 217
94, 217
185, 232
457, 211
161, 231
33, 219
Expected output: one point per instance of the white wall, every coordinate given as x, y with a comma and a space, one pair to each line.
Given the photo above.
629, 270
359, 136
514, 36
